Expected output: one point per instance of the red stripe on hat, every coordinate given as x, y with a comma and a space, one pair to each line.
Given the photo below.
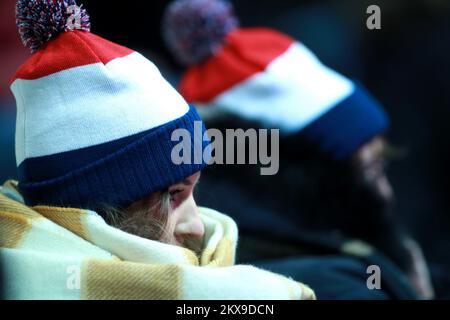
69, 50
246, 52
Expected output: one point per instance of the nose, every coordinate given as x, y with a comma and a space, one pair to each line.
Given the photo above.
189, 223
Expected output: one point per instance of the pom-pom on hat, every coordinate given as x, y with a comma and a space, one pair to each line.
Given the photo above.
94, 119
263, 75
195, 29
41, 21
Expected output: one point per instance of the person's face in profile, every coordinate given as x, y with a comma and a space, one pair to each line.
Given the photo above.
184, 221
171, 216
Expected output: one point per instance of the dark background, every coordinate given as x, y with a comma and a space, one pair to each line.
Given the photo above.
406, 65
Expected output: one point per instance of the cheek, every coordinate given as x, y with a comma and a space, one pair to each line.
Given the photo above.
181, 207
169, 234
172, 218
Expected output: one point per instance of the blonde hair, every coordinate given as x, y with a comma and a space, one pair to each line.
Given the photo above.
146, 218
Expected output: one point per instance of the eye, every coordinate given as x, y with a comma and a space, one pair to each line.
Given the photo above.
173, 194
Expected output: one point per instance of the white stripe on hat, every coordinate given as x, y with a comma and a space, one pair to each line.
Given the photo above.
92, 104
293, 91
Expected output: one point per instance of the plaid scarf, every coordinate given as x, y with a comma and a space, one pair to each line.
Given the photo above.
64, 253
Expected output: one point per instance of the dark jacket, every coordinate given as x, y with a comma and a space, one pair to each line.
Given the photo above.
333, 265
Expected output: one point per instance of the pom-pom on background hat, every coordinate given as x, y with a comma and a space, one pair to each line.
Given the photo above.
263, 75
195, 29
94, 119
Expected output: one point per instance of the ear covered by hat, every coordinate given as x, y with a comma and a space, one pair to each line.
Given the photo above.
94, 119
263, 75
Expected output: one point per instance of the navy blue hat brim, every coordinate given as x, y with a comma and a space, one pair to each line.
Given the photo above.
345, 128
136, 168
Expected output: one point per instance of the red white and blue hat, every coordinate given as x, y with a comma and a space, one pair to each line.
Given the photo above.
94, 119
262, 75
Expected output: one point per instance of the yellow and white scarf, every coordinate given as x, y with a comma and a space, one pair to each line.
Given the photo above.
62, 253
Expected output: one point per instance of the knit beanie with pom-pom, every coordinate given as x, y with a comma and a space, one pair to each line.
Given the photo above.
262, 75
94, 119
